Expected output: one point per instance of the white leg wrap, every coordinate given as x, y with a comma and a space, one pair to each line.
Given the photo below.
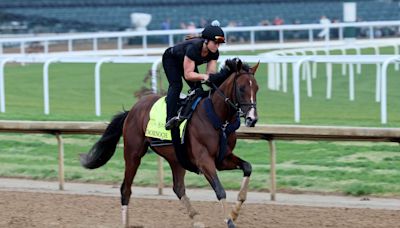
186, 202
125, 216
236, 209
242, 196
192, 212
225, 210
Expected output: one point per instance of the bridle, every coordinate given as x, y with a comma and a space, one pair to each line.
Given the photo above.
237, 105
240, 104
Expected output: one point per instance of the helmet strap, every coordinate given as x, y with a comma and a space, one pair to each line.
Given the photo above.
206, 42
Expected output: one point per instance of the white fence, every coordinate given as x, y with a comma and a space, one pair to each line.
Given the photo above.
277, 63
71, 39
382, 60
48, 60
297, 61
275, 74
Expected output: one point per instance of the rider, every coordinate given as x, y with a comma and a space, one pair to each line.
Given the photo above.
182, 60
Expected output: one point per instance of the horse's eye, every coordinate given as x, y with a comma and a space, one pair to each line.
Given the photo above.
242, 89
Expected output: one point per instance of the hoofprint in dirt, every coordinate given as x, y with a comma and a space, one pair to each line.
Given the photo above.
30, 209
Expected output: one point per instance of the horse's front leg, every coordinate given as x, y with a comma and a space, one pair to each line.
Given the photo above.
178, 174
209, 170
234, 162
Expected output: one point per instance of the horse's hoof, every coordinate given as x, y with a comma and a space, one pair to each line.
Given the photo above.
230, 223
234, 215
198, 225
193, 213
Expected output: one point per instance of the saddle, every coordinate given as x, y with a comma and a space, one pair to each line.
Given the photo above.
188, 104
155, 127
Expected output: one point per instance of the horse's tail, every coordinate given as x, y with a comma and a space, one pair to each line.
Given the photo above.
105, 147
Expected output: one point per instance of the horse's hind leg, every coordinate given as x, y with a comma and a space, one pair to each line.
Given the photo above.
234, 162
133, 153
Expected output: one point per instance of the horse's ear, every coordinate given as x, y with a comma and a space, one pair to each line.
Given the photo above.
254, 68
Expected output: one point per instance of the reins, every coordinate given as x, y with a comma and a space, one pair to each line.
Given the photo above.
226, 99
225, 128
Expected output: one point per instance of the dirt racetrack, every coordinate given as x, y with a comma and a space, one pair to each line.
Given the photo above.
31, 209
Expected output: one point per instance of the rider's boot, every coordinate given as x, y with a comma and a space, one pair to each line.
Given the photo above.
171, 123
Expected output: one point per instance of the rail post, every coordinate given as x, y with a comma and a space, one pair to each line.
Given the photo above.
60, 161
2, 87
383, 85
160, 175
159, 159
46, 84
272, 150
296, 87
97, 94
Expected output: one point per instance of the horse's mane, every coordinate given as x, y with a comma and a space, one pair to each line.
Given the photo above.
245, 67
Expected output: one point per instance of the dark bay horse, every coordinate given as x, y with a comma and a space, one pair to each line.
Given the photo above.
236, 97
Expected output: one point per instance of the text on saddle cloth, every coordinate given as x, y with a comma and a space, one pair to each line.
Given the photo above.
156, 125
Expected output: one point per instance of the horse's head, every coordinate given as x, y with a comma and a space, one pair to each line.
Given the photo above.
245, 92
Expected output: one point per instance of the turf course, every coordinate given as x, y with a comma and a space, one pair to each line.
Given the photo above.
349, 168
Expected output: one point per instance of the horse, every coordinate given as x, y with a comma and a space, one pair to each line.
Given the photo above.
234, 98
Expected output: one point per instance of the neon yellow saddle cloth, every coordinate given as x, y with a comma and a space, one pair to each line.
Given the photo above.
156, 125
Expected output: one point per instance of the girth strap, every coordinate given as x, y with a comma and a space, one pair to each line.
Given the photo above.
225, 128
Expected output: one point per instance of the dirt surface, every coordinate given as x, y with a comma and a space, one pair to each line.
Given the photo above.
30, 209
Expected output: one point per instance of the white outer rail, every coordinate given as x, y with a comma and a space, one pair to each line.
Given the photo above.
49, 60
329, 60
296, 60
274, 76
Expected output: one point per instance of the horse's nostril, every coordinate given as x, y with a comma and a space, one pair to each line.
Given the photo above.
251, 122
